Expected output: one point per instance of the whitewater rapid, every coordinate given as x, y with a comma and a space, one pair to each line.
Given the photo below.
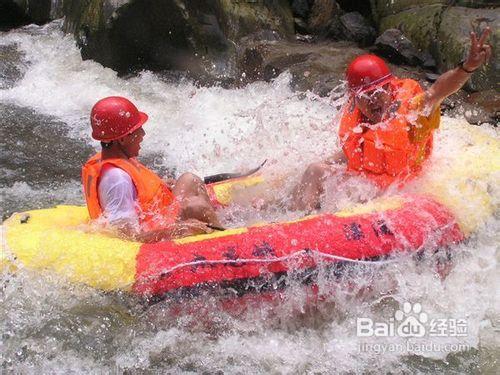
49, 326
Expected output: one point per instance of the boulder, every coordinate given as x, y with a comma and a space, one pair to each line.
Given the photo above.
444, 32
15, 13
454, 40
477, 115
394, 45
301, 8
322, 14
300, 25
318, 67
476, 3
11, 15
242, 18
420, 25
488, 102
198, 36
361, 6
477, 108
355, 27
384, 8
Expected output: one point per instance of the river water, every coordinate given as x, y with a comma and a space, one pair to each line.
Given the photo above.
49, 326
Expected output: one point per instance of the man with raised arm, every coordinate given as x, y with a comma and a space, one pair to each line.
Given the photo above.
386, 128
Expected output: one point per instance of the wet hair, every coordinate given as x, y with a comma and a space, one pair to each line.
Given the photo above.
106, 145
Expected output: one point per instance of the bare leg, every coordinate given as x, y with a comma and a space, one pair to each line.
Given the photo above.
306, 195
197, 208
193, 197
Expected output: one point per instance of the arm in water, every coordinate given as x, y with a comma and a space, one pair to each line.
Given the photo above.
176, 230
451, 81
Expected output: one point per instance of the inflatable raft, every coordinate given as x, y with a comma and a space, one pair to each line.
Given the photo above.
451, 204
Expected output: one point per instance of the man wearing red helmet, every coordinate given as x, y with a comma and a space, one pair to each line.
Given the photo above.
126, 195
387, 124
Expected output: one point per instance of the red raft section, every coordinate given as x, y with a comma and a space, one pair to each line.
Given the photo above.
418, 223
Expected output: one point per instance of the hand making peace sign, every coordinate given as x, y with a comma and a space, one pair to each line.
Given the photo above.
479, 52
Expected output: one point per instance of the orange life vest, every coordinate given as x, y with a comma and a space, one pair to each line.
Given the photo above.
157, 205
386, 152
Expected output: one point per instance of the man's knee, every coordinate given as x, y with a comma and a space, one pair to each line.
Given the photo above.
188, 185
189, 179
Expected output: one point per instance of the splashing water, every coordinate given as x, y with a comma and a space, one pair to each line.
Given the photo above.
50, 326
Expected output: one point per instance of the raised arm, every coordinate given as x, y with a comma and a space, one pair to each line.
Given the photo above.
451, 81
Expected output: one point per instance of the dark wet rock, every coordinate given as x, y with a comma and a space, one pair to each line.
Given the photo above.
42, 11
11, 15
301, 8
489, 99
361, 6
419, 24
321, 16
454, 40
300, 26
384, 8
318, 67
198, 36
251, 63
473, 113
429, 61
488, 102
442, 32
477, 108
15, 13
400, 50
477, 115
11, 66
476, 3
357, 28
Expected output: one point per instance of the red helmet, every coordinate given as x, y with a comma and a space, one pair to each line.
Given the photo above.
114, 117
366, 72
